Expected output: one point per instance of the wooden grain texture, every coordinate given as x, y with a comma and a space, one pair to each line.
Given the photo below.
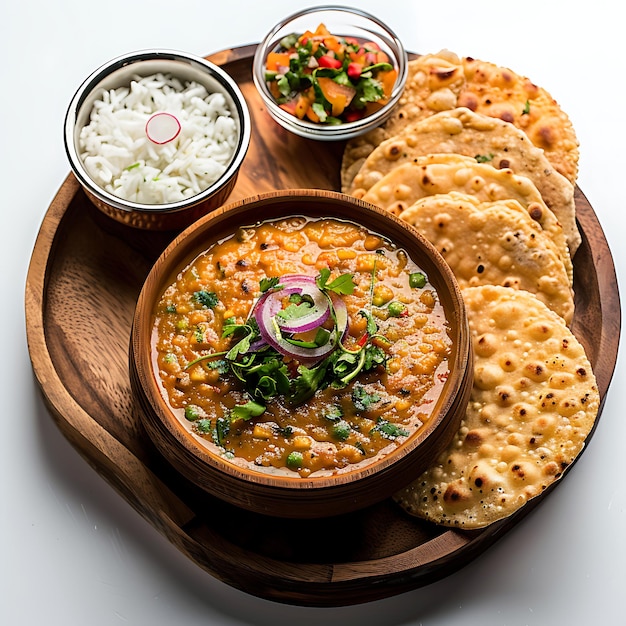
85, 275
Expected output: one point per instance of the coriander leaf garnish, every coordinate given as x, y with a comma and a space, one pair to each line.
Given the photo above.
342, 285
203, 426
362, 399
295, 311
248, 410
308, 381
206, 299
265, 284
333, 413
389, 430
369, 90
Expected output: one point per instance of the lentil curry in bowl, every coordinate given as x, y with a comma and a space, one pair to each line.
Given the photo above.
318, 352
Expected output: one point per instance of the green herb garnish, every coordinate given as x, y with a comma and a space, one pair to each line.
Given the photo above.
362, 399
266, 284
248, 410
206, 299
342, 285
389, 430
484, 158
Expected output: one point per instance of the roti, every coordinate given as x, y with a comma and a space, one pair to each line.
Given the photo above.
533, 404
494, 243
444, 81
441, 173
484, 138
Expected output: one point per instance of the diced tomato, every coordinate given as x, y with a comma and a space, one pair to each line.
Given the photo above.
354, 70
371, 58
289, 106
382, 57
328, 61
302, 106
322, 30
358, 57
312, 115
333, 43
305, 36
388, 80
353, 116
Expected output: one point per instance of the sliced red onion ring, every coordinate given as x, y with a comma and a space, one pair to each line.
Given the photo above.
320, 311
270, 326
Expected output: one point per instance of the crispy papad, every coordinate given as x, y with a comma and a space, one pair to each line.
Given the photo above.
445, 81
442, 173
494, 243
534, 402
486, 139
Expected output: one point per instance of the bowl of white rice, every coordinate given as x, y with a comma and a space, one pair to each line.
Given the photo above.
156, 138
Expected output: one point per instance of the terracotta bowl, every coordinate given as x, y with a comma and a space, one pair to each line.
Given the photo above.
254, 488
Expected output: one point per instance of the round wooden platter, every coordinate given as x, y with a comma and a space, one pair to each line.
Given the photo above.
84, 278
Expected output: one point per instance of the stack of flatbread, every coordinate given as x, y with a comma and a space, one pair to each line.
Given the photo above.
483, 163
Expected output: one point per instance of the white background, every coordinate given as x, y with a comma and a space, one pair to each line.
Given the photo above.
73, 552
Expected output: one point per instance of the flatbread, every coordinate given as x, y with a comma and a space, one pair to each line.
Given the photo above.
494, 243
441, 173
490, 140
433, 84
499, 92
533, 404
445, 81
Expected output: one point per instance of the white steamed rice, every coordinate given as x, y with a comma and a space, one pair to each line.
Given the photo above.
118, 155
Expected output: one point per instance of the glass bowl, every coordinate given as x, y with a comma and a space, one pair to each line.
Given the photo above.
344, 22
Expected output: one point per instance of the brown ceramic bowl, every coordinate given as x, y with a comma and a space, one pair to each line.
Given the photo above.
254, 488
155, 210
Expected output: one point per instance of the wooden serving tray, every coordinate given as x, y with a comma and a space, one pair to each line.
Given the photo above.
84, 277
